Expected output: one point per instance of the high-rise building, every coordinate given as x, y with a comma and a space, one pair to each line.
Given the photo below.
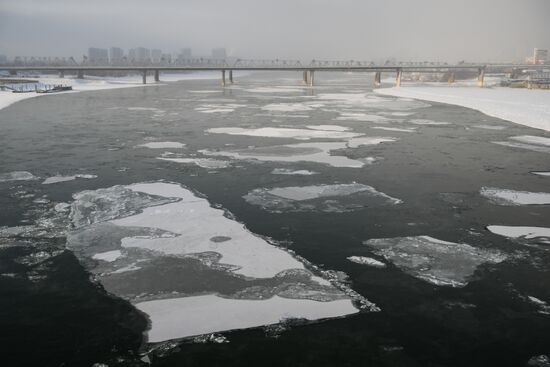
166, 58
219, 53
3, 59
540, 56
98, 56
156, 55
116, 54
186, 53
143, 55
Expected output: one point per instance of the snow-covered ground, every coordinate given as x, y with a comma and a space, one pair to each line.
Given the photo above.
522, 106
98, 83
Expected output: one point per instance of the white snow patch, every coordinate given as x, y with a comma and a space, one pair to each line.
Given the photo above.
357, 142
529, 107
170, 318
529, 139
513, 197
363, 260
328, 127
541, 173
411, 130
490, 127
429, 122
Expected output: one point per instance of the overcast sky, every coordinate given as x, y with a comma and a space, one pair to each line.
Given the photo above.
475, 30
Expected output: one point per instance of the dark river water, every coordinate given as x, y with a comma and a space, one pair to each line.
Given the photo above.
54, 313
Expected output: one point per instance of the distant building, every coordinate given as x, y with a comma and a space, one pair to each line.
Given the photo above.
116, 55
540, 56
3, 59
186, 53
219, 53
166, 58
98, 56
156, 55
143, 55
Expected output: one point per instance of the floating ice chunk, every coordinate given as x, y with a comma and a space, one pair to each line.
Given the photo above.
438, 262
162, 145
219, 108
17, 176
544, 308
62, 207
309, 152
539, 361
372, 101
274, 90
170, 317
541, 173
529, 139
513, 197
535, 148
328, 127
490, 127
286, 171
328, 198
287, 107
428, 122
357, 142
411, 130
355, 116
201, 162
279, 132
108, 256
520, 231
56, 179
363, 260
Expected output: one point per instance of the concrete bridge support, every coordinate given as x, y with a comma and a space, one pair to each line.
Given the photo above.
157, 76
304, 77
61, 73
230, 76
377, 79
452, 78
480, 77
398, 77
80, 74
144, 76
223, 78
310, 77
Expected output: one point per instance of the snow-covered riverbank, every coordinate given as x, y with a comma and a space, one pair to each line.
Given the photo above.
521, 106
99, 83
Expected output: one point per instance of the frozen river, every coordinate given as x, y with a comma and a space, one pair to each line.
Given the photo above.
275, 219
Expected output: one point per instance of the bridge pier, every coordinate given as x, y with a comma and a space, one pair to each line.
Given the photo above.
80, 74
157, 76
480, 77
398, 78
144, 76
230, 76
452, 77
223, 78
311, 77
377, 79
61, 73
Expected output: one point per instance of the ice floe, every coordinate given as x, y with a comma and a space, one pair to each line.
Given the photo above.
429, 122
308, 152
219, 108
535, 148
544, 308
356, 116
533, 235
398, 129
513, 197
367, 140
530, 139
326, 198
328, 127
274, 90
201, 162
287, 107
438, 262
179, 317
57, 179
363, 260
287, 171
190, 267
541, 173
17, 176
281, 132
162, 145
490, 127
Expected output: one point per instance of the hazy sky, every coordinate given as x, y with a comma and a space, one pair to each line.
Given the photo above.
475, 30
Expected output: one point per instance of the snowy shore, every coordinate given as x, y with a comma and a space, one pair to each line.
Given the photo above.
91, 83
521, 106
